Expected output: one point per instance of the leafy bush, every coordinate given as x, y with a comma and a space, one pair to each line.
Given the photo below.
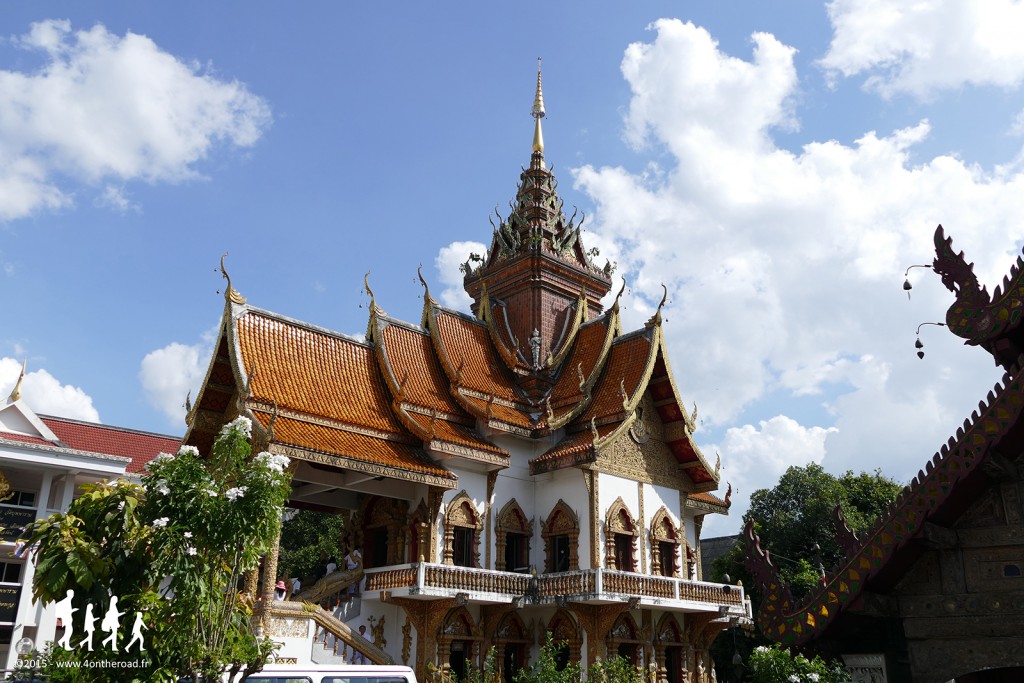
777, 665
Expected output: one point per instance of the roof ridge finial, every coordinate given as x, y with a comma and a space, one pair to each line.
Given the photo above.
427, 299
538, 113
16, 391
230, 293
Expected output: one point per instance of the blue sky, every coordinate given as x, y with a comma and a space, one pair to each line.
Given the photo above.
776, 165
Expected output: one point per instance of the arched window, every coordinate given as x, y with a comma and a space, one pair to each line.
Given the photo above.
670, 650
620, 538
665, 542
624, 639
458, 644
564, 629
561, 534
462, 528
512, 645
512, 539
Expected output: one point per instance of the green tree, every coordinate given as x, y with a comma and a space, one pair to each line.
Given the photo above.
174, 550
791, 519
308, 539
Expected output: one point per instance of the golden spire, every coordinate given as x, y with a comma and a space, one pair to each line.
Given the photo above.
16, 391
538, 113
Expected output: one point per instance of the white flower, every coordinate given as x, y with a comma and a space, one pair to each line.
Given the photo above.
210, 492
814, 677
161, 522
188, 534
277, 463
189, 450
794, 678
761, 648
242, 425
160, 459
191, 550
163, 490
120, 506
235, 493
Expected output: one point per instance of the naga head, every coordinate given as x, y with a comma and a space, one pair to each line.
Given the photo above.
957, 275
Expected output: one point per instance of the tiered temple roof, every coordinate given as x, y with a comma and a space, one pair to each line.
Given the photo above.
540, 359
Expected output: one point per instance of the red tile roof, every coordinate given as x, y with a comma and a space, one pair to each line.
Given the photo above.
24, 438
141, 447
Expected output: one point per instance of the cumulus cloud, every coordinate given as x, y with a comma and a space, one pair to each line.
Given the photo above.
44, 393
784, 269
447, 263
170, 373
106, 109
763, 453
923, 47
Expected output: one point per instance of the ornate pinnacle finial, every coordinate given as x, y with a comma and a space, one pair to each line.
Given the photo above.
374, 308
231, 294
427, 299
538, 113
656, 318
622, 289
16, 391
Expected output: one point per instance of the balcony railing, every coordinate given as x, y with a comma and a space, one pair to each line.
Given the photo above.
584, 585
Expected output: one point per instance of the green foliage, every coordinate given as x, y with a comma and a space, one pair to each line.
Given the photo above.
308, 539
790, 519
776, 665
173, 549
614, 670
490, 672
797, 514
544, 669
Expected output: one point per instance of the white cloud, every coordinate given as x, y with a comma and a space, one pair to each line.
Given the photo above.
106, 109
447, 263
757, 455
784, 269
170, 373
923, 47
43, 393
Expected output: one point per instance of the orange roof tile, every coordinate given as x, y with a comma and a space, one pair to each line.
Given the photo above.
314, 372
467, 342
584, 356
454, 433
353, 446
624, 367
410, 355
573, 449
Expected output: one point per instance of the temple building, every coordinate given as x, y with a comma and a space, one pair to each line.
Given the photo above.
524, 470
934, 591
44, 462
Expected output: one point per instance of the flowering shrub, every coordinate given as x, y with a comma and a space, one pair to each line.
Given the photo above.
173, 549
776, 665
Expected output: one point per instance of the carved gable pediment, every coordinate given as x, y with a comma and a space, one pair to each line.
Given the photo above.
640, 453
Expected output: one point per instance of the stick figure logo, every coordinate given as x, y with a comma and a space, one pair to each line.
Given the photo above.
110, 625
